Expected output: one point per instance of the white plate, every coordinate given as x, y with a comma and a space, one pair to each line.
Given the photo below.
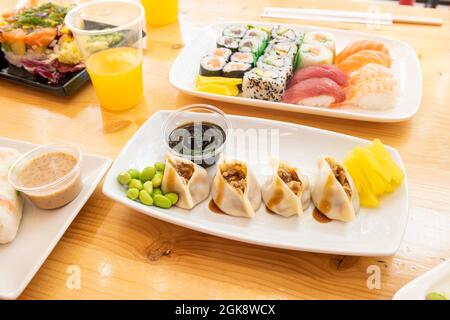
406, 68
435, 280
375, 232
40, 230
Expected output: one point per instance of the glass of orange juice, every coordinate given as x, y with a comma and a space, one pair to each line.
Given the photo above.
109, 34
160, 12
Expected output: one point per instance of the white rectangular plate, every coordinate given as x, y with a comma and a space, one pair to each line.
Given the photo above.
40, 230
406, 68
435, 280
375, 232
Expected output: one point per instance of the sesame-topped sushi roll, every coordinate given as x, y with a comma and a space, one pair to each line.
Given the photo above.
211, 66
228, 42
326, 39
264, 84
287, 34
224, 53
245, 57
236, 69
314, 54
235, 31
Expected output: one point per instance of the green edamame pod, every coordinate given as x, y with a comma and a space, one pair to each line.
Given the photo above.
172, 196
157, 180
133, 193
148, 186
124, 178
145, 198
147, 174
135, 183
160, 166
161, 201
134, 173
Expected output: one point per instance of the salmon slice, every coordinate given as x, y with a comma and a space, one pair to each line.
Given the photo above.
40, 37
361, 58
360, 45
16, 35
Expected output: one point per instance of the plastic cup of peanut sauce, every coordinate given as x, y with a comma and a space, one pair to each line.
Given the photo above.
49, 175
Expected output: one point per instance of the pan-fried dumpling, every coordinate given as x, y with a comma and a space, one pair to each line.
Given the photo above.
334, 192
287, 192
187, 179
235, 189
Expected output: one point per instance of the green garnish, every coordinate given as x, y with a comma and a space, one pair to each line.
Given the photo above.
436, 296
45, 15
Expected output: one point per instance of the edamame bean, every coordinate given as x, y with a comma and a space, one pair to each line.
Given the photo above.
145, 198
172, 196
133, 193
148, 186
156, 191
161, 201
124, 178
135, 183
134, 173
157, 179
160, 166
147, 174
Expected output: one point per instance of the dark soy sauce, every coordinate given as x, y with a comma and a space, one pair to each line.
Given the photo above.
199, 139
214, 208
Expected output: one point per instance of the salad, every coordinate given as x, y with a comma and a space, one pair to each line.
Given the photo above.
37, 40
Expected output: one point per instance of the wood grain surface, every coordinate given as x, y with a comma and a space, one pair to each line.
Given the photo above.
124, 254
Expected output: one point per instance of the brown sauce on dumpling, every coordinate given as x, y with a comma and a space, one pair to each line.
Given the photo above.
214, 208
341, 177
320, 217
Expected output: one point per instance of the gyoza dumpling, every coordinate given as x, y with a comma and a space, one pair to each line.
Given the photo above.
187, 179
334, 192
287, 192
235, 189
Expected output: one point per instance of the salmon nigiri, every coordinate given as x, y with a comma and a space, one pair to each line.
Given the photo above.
315, 92
361, 58
369, 71
360, 45
375, 93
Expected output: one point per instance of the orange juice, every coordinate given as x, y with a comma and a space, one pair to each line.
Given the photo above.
116, 74
160, 12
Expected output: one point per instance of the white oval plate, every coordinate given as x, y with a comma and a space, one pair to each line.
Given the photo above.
406, 68
435, 280
40, 230
375, 232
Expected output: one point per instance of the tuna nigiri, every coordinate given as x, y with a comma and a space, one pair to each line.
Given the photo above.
315, 92
361, 58
369, 71
320, 71
360, 46
375, 93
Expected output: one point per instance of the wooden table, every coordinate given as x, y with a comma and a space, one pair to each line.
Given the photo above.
124, 254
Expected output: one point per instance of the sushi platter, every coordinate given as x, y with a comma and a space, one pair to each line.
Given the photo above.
355, 226
328, 72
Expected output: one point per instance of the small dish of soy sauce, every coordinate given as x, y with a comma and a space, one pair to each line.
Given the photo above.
197, 132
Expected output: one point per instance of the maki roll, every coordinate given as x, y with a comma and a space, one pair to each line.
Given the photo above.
236, 69
212, 66
246, 57
235, 31
314, 54
220, 52
326, 39
281, 49
286, 34
264, 84
252, 45
275, 62
257, 33
228, 42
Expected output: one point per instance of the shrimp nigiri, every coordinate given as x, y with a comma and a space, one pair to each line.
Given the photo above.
361, 58
369, 71
374, 93
360, 46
